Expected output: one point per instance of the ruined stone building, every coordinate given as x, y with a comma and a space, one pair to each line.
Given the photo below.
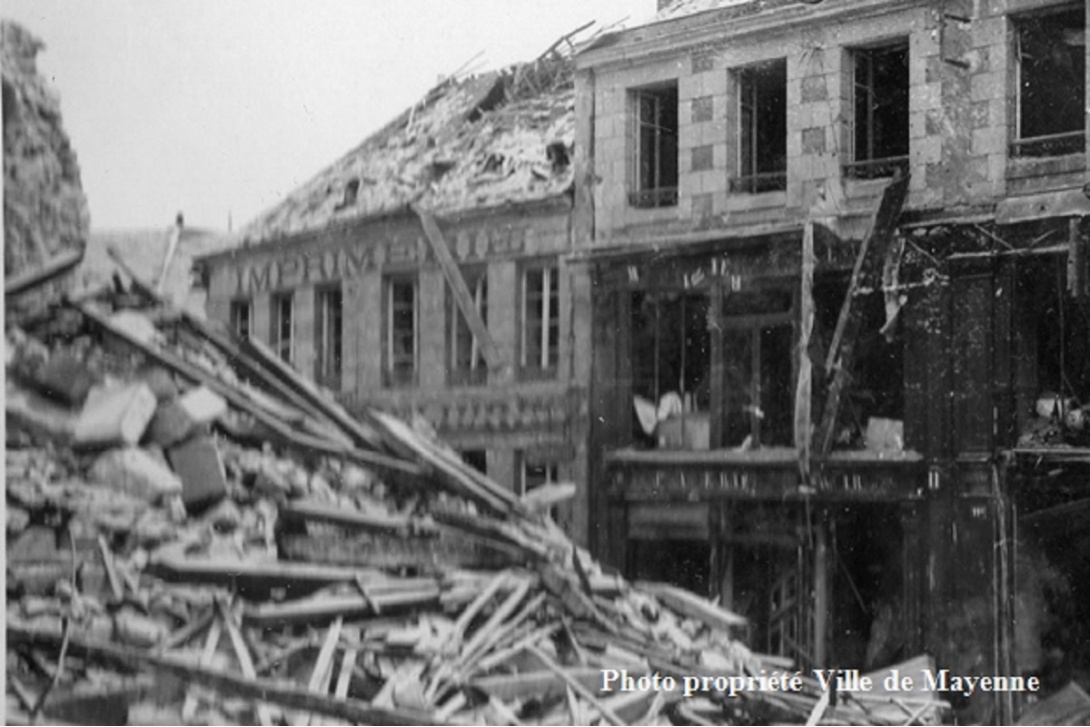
423, 273
869, 467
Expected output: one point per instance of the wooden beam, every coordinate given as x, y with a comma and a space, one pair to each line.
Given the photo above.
867, 271
226, 683
458, 287
32, 278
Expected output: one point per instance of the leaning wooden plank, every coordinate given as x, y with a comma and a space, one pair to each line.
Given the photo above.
323, 666
365, 432
354, 519
581, 690
498, 616
227, 683
867, 271
29, 279
246, 663
693, 606
459, 289
211, 642
351, 606
348, 663
499, 656
448, 472
255, 579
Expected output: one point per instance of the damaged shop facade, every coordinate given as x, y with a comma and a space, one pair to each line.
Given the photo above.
423, 273
840, 318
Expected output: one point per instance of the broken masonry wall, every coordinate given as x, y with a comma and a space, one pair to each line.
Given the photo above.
45, 209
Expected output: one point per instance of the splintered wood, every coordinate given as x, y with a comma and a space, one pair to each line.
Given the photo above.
346, 569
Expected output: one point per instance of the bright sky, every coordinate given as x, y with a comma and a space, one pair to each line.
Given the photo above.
223, 107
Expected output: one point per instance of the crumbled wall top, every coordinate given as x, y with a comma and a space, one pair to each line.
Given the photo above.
477, 142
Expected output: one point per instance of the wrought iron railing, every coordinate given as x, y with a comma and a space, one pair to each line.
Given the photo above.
1071, 142
649, 198
876, 168
757, 183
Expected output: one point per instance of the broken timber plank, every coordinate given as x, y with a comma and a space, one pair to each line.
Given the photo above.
246, 663
541, 684
458, 288
226, 683
28, 279
354, 519
576, 685
868, 266
690, 605
323, 666
351, 606
255, 579
211, 642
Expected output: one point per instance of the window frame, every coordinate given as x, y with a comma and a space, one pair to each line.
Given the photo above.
658, 192
283, 347
392, 376
233, 318
1052, 144
329, 360
475, 372
748, 178
548, 362
872, 166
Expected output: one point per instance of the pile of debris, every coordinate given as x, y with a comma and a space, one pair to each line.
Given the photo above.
197, 534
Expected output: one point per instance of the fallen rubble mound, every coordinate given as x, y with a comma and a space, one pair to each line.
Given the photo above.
198, 535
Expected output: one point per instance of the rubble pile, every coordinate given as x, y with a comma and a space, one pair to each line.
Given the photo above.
45, 210
196, 534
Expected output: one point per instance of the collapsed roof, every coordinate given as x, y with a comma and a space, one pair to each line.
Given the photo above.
495, 138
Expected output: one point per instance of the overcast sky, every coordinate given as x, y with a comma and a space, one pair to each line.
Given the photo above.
222, 107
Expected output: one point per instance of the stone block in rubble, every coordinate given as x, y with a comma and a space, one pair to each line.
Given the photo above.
170, 425
115, 415
202, 405
66, 378
197, 462
135, 472
160, 381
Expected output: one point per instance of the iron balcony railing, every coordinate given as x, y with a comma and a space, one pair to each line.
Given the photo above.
1051, 145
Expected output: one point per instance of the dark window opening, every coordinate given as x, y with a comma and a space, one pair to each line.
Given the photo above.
1054, 376
671, 365
683, 563
656, 148
880, 122
1051, 72
330, 334
872, 406
762, 119
540, 320
283, 325
558, 156
477, 459
401, 332
351, 192
467, 364
241, 317
758, 368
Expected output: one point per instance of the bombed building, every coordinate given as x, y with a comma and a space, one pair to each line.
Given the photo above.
840, 323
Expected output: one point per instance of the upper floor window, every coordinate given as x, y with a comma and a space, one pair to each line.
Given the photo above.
329, 333
283, 325
540, 318
762, 128
242, 317
401, 322
1051, 81
879, 111
467, 364
655, 162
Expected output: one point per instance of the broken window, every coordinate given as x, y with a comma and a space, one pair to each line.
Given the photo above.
879, 111
241, 317
537, 472
283, 325
656, 151
1053, 350
540, 319
330, 329
467, 364
762, 132
671, 364
1051, 75
401, 331
758, 368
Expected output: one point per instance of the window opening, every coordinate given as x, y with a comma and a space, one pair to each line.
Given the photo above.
656, 148
880, 112
541, 319
467, 364
283, 324
401, 331
762, 138
241, 317
330, 330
